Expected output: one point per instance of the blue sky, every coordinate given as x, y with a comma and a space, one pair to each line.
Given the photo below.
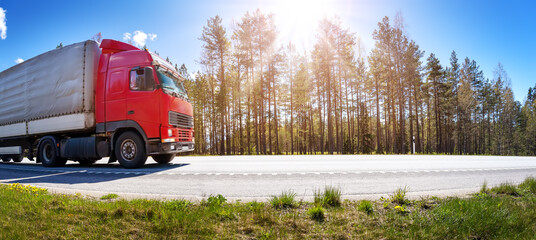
487, 31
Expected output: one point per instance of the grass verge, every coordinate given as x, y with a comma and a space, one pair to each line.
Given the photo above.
330, 197
503, 212
285, 200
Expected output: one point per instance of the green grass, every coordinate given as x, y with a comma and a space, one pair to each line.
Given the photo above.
317, 213
28, 212
109, 196
330, 197
366, 207
506, 188
285, 200
399, 196
529, 185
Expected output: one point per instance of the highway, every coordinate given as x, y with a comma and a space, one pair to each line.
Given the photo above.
260, 177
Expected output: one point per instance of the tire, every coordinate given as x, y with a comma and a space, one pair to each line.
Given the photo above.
17, 158
163, 158
6, 159
48, 153
130, 150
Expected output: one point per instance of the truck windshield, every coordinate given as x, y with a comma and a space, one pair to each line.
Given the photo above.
170, 84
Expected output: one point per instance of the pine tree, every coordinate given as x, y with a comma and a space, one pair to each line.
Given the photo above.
215, 50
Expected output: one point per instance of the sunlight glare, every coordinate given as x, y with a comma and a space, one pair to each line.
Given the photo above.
298, 20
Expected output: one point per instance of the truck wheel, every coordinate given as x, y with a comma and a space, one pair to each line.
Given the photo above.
17, 158
6, 159
130, 150
163, 158
48, 154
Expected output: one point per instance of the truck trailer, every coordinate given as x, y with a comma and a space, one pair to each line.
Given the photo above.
86, 101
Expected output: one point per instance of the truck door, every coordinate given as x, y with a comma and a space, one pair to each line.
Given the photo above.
143, 104
116, 87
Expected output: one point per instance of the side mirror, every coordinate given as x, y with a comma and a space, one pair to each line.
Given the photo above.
148, 72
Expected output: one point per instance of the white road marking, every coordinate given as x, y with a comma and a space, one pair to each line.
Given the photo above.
64, 171
28, 178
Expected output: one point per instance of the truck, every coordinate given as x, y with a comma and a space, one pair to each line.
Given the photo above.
87, 101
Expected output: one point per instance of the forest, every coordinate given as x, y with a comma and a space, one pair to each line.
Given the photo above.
255, 95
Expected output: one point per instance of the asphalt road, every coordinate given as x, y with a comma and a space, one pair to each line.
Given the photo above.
259, 177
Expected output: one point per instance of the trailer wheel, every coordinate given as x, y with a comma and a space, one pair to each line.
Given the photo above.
18, 158
163, 158
130, 150
48, 153
6, 159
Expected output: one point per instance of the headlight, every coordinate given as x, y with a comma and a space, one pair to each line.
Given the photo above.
168, 140
170, 132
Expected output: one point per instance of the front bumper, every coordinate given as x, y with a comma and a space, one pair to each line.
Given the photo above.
176, 147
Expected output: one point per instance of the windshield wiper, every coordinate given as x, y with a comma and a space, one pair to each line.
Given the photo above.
170, 88
171, 91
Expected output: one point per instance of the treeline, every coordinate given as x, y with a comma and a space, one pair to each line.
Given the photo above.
256, 95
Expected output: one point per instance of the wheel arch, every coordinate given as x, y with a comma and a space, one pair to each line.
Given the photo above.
119, 127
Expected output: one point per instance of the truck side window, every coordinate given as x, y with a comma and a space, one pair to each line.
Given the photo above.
138, 81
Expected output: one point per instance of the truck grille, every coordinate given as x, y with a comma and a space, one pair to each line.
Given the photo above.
180, 120
184, 135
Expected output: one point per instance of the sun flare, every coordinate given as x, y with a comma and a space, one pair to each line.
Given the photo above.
298, 19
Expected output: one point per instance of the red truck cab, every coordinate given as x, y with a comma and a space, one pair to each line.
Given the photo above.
139, 93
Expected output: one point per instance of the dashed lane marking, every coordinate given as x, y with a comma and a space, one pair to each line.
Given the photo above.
126, 172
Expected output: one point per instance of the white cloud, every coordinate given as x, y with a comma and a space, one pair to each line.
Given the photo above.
19, 60
3, 27
127, 36
139, 38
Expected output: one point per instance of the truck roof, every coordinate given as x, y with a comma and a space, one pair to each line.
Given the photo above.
113, 46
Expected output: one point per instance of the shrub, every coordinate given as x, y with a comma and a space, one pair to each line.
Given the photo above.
366, 206
399, 196
216, 200
317, 213
285, 200
331, 197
